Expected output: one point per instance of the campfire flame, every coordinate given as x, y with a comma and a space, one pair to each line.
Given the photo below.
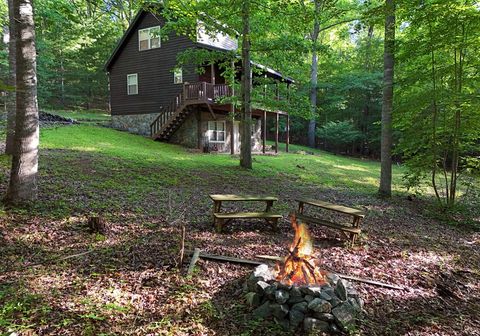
299, 266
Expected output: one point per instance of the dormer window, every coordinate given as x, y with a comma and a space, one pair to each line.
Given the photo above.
149, 38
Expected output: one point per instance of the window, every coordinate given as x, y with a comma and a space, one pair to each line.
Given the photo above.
149, 38
216, 131
132, 84
178, 76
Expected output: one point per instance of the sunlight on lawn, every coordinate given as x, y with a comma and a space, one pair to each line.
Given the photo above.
322, 168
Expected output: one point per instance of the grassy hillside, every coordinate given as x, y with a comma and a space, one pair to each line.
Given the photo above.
128, 280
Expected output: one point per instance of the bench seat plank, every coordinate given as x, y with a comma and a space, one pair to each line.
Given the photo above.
323, 222
234, 215
334, 207
227, 197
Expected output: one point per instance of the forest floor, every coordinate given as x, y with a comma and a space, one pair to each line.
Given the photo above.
130, 282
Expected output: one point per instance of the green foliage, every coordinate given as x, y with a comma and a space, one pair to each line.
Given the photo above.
437, 113
340, 134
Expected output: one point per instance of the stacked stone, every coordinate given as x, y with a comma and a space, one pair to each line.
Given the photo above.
332, 307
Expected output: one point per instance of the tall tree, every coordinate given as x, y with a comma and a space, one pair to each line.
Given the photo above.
11, 105
246, 121
387, 106
23, 176
314, 72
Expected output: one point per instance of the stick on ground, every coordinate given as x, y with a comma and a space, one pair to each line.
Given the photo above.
193, 261
182, 247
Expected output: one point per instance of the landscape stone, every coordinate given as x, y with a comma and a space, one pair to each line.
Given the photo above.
281, 296
345, 315
302, 306
341, 290
283, 286
334, 329
279, 311
263, 311
327, 317
295, 299
325, 296
311, 324
270, 291
335, 301
253, 299
314, 291
309, 298
332, 278
252, 282
320, 306
261, 287
296, 317
329, 291
263, 271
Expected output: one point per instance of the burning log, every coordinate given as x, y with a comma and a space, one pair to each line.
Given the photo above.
299, 266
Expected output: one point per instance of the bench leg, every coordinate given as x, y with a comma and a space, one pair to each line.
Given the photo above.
219, 225
275, 224
353, 237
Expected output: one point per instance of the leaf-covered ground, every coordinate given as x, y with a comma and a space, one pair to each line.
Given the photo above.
130, 282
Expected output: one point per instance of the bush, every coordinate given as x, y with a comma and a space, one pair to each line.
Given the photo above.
340, 135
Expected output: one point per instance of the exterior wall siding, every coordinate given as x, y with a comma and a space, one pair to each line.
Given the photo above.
154, 68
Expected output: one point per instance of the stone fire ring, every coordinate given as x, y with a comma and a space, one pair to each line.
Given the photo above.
332, 307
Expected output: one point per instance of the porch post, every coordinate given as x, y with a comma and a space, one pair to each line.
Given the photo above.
264, 131
232, 133
288, 133
212, 74
199, 130
276, 133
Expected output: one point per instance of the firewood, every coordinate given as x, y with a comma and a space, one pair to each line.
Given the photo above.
343, 276
193, 261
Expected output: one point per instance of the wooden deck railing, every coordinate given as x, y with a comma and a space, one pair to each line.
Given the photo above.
192, 93
206, 92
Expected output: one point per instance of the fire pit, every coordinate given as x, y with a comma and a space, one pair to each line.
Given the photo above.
297, 293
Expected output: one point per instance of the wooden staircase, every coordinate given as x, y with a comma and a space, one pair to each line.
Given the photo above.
171, 117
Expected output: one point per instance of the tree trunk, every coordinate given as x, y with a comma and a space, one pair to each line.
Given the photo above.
11, 104
313, 75
387, 106
23, 176
246, 121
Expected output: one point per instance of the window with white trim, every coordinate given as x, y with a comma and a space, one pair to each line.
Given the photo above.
132, 84
149, 38
177, 76
216, 131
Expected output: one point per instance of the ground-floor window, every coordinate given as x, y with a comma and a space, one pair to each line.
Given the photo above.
216, 131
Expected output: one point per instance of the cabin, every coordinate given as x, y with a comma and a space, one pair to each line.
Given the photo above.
150, 95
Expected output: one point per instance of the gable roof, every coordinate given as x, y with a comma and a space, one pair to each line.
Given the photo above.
202, 44
124, 39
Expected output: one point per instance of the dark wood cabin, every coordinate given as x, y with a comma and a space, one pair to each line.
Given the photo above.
149, 95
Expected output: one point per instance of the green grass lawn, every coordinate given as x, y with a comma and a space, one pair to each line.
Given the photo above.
323, 168
83, 115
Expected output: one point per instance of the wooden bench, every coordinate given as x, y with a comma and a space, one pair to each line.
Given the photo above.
220, 219
350, 230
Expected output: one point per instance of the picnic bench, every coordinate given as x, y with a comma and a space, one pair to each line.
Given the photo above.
350, 230
220, 219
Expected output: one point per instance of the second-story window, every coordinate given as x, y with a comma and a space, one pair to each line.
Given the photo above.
132, 84
149, 38
177, 76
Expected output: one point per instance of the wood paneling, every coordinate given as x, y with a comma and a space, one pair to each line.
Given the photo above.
154, 68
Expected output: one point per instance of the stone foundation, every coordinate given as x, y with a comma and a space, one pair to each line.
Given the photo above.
134, 123
330, 308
